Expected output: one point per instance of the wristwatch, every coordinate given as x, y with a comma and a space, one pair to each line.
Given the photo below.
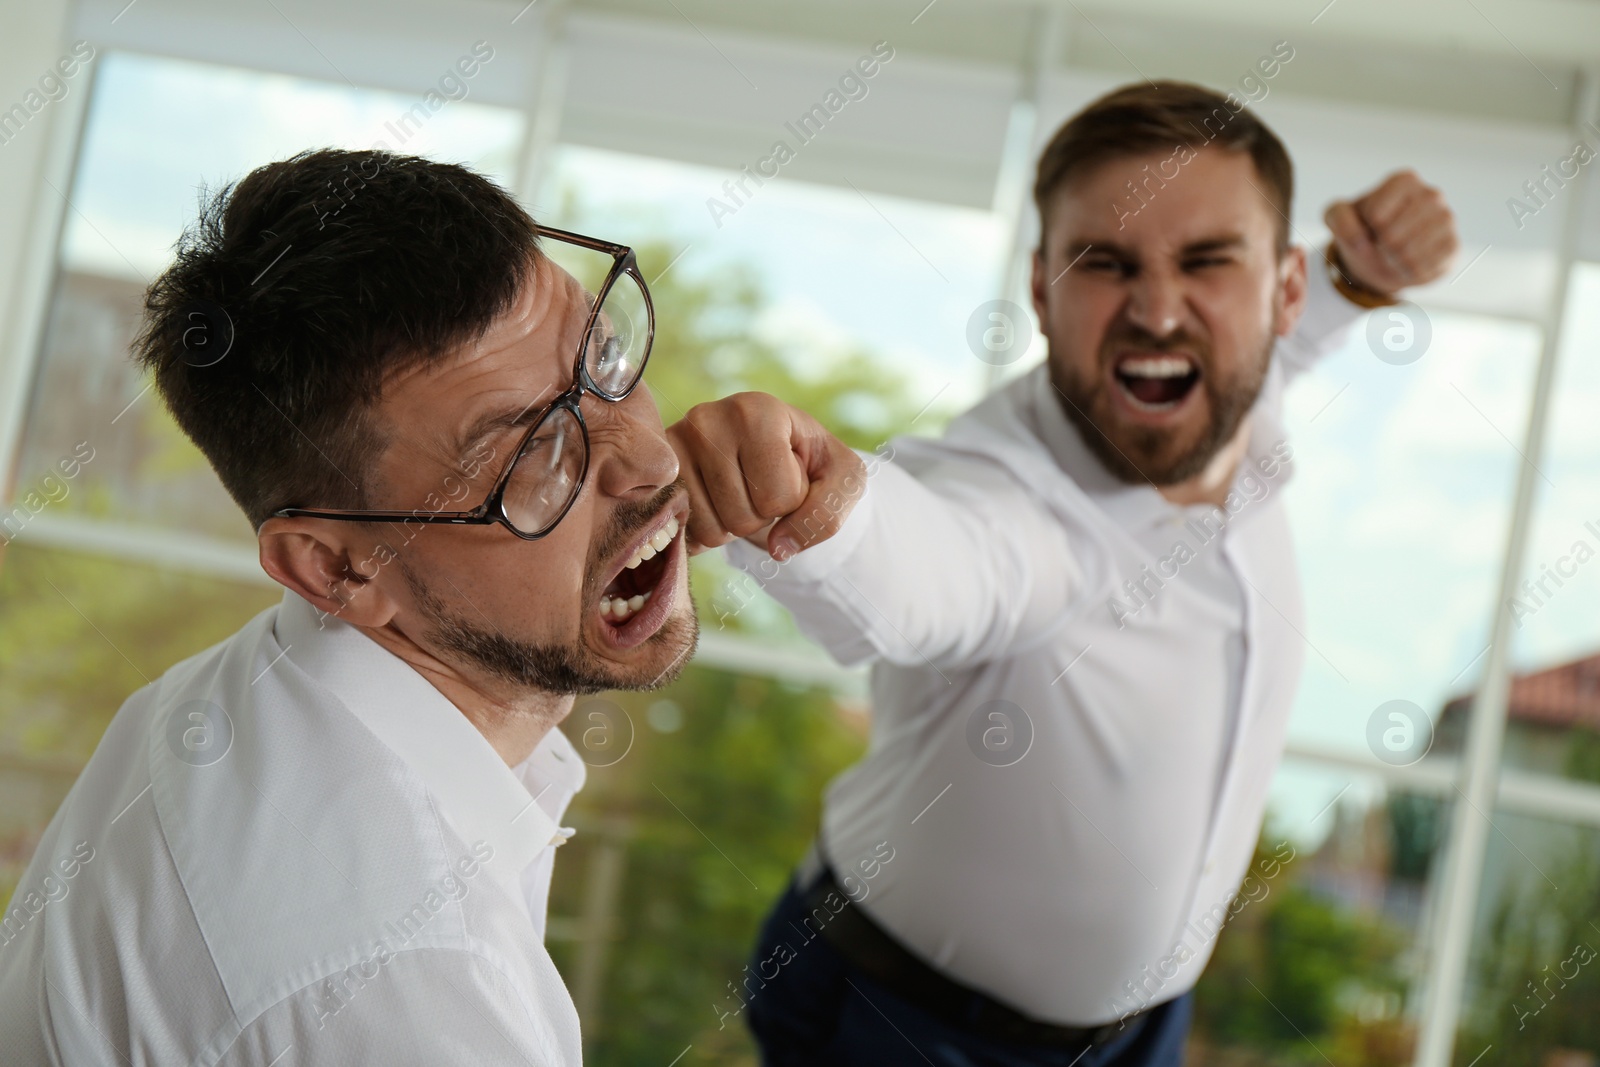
1349, 288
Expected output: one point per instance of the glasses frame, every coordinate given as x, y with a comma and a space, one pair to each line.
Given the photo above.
492, 511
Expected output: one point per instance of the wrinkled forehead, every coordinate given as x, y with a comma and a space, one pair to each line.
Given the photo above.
535, 337
521, 362
1163, 199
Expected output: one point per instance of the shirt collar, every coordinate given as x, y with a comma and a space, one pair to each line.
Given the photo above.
481, 797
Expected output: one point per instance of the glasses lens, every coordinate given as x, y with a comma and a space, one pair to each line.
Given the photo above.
547, 474
620, 338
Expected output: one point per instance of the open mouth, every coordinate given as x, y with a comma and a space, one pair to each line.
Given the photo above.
1156, 383
630, 592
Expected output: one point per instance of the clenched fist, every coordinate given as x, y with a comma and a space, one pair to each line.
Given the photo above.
762, 470
1399, 234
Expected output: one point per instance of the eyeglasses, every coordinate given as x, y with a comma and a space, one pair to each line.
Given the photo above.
536, 490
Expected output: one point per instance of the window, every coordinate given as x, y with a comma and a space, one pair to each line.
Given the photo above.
1399, 506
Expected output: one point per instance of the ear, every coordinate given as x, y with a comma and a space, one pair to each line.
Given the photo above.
1038, 288
330, 564
1292, 289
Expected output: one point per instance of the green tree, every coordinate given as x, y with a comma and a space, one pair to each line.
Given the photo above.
1537, 961
1583, 755
720, 811
1287, 974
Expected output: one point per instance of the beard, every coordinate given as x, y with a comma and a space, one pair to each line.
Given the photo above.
1157, 455
562, 667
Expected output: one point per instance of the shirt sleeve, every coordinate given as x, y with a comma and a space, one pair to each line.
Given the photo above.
422, 1006
1325, 324
952, 566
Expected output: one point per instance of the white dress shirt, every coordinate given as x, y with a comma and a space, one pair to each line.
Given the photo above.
290, 850
1069, 852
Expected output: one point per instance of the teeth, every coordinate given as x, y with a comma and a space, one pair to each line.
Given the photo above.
621, 609
1155, 367
658, 543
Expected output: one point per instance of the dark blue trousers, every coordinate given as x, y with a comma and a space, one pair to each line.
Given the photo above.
819, 1011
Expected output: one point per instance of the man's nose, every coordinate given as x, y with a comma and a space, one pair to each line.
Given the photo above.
631, 455
1156, 302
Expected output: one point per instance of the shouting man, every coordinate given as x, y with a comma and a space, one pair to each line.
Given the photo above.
1080, 605
333, 833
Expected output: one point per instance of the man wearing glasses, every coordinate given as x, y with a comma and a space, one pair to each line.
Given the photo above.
329, 839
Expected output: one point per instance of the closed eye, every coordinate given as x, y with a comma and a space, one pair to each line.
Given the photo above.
1120, 268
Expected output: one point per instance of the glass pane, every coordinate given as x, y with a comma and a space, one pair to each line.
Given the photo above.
1553, 723
1533, 981
1533, 976
817, 279
1399, 505
808, 293
1320, 958
700, 799
820, 295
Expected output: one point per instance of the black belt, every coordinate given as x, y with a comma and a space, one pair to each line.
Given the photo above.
875, 953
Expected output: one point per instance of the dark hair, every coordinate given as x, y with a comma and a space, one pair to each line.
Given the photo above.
1155, 116
301, 290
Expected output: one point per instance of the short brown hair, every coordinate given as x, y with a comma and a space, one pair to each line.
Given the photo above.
1151, 116
301, 290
